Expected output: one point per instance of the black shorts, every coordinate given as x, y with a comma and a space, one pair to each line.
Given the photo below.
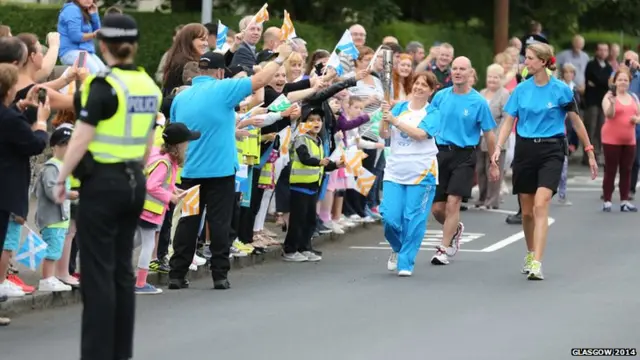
456, 168
537, 163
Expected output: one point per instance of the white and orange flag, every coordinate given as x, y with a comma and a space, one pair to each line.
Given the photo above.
305, 127
191, 202
261, 16
287, 29
353, 161
364, 182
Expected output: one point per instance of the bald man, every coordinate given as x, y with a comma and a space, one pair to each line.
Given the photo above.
359, 36
464, 115
271, 38
390, 40
576, 57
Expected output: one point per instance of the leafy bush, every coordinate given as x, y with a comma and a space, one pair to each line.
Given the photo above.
592, 38
157, 30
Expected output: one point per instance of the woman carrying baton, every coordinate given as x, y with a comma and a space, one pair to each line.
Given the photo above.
541, 105
110, 144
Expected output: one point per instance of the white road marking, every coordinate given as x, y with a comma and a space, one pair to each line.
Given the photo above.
434, 237
387, 248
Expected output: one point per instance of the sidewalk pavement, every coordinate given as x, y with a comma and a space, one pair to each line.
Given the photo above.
48, 300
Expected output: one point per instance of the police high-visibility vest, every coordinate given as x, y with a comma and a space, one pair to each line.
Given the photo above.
303, 174
123, 137
266, 174
151, 203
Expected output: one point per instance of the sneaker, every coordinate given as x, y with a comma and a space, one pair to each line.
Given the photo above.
52, 284
14, 279
355, 218
235, 252
440, 257
515, 219
626, 206
404, 273
148, 289
199, 261
528, 259
206, 252
322, 229
564, 201
368, 219
335, 228
315, 234
311, 256
392, 263
455, 241
158, 267
245, 248
372, 214
9, 289
5, 321
193, 267
536, 271
346, 223
294, 257
606, 206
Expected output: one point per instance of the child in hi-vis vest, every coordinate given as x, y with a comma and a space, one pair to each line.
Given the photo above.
161, 170
308, 164
52, 218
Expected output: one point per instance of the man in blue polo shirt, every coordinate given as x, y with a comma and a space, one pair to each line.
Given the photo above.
208, 106
465, 116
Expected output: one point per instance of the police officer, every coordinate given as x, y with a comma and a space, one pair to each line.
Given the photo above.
114, 131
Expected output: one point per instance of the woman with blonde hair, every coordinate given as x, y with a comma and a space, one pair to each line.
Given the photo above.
541, 105
622, 112
505, 60
497, 97
294, 67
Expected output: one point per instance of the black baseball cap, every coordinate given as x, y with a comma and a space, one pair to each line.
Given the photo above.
236, 69
312, 111
118, 28
266, 55
176, 133
60, 136
211, 61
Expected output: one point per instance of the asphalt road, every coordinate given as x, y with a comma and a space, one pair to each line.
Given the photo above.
349, 307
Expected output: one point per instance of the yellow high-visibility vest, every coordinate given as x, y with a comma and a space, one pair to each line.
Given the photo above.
303, 174
151, 203
123, 137
266, 174
75, 183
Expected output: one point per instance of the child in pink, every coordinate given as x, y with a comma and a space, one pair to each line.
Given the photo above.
161, 170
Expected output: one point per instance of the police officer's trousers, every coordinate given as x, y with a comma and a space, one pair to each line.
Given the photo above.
111, 204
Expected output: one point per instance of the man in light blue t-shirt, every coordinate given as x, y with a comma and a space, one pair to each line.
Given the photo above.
208, 106
465, 116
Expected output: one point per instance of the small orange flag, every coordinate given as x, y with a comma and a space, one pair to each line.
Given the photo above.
287, 29
261, 16
191, 202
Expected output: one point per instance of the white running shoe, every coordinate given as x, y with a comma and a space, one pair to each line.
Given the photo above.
199, 261
404, 273
392, 264
311, 256
52, 284
455, 242
440, 257
10, 289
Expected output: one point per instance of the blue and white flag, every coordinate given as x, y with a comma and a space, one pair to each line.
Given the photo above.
346, 46
222, 35
32, 251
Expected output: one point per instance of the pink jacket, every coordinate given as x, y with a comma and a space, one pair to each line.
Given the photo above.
154, 185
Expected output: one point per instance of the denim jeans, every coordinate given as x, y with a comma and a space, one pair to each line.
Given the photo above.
93, 62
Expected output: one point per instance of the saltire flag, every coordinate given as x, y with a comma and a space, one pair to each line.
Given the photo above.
32, 252
346, 46
221, 36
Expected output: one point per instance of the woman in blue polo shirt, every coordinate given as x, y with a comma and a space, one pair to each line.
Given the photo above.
541, 105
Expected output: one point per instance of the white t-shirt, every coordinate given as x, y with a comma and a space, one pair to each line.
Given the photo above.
410, 160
